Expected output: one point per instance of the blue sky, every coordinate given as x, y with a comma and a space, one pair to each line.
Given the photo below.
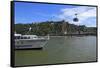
36, 12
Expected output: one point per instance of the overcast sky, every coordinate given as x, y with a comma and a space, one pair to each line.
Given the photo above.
36, 12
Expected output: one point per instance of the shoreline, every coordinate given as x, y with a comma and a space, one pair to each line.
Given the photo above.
74, 35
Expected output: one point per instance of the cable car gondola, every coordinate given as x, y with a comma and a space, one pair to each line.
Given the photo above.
75, 19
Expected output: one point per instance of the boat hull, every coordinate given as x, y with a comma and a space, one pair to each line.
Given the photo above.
29, 44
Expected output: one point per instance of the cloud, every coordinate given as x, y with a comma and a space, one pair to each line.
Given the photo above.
84, 12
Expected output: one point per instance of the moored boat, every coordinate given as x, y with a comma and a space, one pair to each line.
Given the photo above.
30, 41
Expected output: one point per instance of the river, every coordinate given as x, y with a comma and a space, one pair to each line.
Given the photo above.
60, 49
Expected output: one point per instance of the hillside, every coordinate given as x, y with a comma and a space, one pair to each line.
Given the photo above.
54, 28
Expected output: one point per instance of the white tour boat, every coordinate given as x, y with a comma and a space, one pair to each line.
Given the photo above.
30, 41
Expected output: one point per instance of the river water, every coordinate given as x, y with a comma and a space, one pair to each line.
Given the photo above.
60, 49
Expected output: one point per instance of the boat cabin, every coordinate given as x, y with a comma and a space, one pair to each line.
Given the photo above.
19, 36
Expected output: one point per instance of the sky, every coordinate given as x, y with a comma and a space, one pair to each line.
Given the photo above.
39, 12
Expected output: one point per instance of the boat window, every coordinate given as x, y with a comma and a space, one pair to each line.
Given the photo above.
35, 37
17, 42
17, 37
21, 37
25, 37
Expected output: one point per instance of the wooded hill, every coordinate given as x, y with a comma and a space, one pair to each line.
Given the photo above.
53, 28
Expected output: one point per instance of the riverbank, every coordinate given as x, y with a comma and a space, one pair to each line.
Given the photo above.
72, 35
81, 34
